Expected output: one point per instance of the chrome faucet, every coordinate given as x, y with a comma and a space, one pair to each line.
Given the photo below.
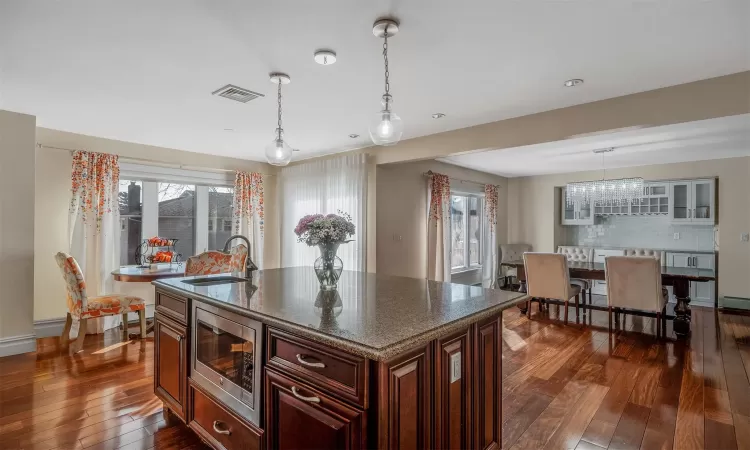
249, 264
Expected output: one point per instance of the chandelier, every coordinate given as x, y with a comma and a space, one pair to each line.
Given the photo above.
620, 191
386, 126
278, 152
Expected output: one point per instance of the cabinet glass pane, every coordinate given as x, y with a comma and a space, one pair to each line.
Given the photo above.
658, 190
585, 212
680, 201
702, 200
569, 212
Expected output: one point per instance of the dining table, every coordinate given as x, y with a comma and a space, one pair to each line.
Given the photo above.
145, 274
677, 277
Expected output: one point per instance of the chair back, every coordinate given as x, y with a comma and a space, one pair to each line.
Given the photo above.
634, 282
513, 252
212, 262
658, 255
547, 275
577, 254
74, 283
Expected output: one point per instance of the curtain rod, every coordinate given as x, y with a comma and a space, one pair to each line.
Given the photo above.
430, 173
152, 162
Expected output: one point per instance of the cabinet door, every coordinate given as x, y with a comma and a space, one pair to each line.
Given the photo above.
703, 292
680, 206
487, 376
702, 195
301, 417
567, 211
404, 399
453, 392
585, 215
679, 259
170, 356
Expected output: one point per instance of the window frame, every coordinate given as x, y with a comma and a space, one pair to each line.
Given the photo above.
151, 176
467, 267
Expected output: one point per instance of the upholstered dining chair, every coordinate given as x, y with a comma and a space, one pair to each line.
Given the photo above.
511, 252
212, 262
635, 283
658, 255
81, 307
579, 254
547, 277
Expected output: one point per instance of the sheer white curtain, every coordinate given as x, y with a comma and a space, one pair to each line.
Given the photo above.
489, 238
325, 187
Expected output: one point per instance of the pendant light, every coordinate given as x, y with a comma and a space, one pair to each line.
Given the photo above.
386, 126
605, 192
278, 152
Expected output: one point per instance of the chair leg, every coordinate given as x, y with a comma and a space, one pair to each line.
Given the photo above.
65, 336
664, 322
528, 308
658, 325
609, 313
566, 312
591, 298
78, 343
578, 301
125, 327
142, 320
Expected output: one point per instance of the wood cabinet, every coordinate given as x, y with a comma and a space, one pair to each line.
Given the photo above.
171, 364
487, 384
299, 416
404, 401
693, 201
453, 381
220, 428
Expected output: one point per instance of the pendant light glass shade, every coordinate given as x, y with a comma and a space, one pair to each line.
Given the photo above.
386, 127
278, 152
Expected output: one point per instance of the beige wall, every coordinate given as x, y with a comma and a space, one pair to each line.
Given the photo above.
704, 99
402, 211
53, 196
533, 214
17, 134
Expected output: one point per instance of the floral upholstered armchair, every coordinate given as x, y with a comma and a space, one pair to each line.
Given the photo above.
82, 307
212, 262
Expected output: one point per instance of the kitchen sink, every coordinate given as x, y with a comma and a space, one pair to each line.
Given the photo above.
211, 281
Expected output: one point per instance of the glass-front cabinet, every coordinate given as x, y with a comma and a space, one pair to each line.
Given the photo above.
575, 214
693, 201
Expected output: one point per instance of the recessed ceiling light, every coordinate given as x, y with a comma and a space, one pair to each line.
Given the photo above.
354, 136
438, 116
228, 129
573, 82
325, 57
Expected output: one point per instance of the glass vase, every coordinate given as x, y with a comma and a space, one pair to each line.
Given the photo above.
328, 266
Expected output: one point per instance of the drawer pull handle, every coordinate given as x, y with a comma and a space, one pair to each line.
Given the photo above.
221, 430
302, 397
318, 365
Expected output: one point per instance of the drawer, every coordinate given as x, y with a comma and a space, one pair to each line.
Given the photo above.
173, 307
338, 373
221, 429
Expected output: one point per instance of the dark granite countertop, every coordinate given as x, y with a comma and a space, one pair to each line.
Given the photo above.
372, 315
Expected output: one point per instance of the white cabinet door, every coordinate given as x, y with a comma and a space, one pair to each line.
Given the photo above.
703, 292
567, 212
679, 259
585, 214
702, 201
680, 201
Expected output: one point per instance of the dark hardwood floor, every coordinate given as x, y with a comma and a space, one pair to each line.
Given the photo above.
573, 387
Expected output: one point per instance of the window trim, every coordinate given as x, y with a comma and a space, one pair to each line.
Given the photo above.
468, 267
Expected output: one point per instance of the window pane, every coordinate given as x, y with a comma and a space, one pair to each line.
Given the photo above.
458, 232
177, 216
475, 215
131, 201
219, 216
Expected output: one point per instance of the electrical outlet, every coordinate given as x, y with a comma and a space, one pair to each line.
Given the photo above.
744, 237
455, 367
676, 236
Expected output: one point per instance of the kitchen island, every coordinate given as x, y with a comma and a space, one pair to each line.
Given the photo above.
382, 362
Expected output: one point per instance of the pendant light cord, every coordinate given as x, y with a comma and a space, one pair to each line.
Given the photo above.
387, 95
279, 130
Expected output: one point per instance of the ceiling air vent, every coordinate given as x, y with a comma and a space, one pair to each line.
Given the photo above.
236, 93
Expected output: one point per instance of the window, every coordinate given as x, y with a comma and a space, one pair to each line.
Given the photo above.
219, 216
177, 216
131, 204
466, 232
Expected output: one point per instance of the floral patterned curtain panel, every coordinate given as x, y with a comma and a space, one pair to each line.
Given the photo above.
248, 212
489, 240
94, 225
439, 228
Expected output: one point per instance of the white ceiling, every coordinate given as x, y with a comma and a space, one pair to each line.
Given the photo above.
726, 137
143, 71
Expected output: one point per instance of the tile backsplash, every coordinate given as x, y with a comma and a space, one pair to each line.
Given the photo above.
641, 232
